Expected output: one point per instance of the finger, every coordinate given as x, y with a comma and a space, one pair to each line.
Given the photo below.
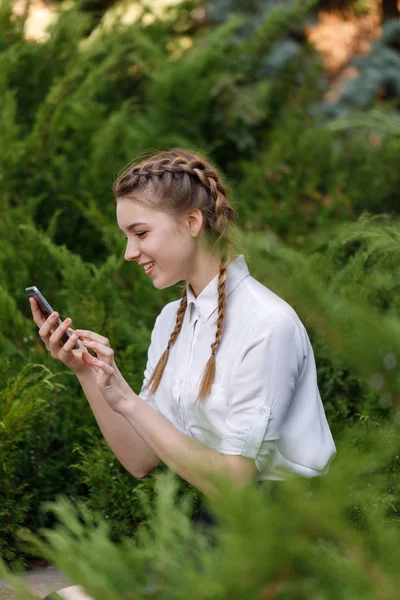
88, 359
103, 366
56, 336
72, 340
36, 312
99, 349
94, 337
49, 325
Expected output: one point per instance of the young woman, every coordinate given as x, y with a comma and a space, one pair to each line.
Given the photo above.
230, 386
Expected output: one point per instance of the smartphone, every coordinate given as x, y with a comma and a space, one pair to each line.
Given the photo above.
46, 310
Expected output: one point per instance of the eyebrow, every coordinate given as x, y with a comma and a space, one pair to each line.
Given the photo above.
134, 225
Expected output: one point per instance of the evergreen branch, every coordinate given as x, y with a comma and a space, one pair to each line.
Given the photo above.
375, 119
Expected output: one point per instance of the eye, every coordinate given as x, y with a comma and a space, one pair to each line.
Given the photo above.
139, 235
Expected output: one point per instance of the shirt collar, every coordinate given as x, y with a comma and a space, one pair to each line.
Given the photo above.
207, 302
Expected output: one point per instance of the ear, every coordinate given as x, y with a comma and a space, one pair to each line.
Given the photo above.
194, 221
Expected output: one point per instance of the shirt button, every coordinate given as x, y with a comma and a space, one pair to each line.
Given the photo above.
262, 410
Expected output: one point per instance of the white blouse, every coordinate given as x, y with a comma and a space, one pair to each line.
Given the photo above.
264, 403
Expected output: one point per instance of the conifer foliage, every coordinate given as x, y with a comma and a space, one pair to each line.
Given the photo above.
317, 201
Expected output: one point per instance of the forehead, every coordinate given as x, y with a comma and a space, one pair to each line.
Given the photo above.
128, 211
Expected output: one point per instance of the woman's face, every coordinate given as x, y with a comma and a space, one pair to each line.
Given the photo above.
154, 236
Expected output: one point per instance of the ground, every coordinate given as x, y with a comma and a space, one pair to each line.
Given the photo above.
41, 580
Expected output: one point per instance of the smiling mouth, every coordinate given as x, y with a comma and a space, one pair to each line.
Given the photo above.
149, 266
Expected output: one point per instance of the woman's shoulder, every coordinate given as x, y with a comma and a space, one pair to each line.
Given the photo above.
264, 305
261, 312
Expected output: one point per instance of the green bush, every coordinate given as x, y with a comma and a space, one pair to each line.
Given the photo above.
23, 401
74, 110
329, 538
106, 298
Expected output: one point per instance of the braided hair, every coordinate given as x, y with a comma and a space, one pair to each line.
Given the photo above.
174, 181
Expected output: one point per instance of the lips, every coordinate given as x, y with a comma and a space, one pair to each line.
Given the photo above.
148, 266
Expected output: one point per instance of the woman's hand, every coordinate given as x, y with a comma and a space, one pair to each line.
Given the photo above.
109, 378
51, 335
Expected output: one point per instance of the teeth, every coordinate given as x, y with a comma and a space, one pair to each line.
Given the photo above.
147, 267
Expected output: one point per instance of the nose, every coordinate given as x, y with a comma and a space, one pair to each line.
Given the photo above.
131, 252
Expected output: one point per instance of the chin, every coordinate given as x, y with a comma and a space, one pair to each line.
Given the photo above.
162, 285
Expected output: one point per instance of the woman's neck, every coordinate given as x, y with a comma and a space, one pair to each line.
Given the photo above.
206, 267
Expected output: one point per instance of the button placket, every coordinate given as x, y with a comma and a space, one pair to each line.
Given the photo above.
183, 381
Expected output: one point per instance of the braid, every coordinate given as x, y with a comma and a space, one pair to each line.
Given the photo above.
157, 168
186, 180
157, 374
180, 165
210, 368
179, 319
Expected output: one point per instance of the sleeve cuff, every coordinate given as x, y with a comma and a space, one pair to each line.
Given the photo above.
248, 445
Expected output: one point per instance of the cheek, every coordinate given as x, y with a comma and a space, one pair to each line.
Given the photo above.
167, 243
170, 244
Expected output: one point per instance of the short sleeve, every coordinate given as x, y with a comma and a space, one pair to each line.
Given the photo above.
152, 359
262, 386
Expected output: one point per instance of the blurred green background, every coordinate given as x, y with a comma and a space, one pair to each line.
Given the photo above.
297, 103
